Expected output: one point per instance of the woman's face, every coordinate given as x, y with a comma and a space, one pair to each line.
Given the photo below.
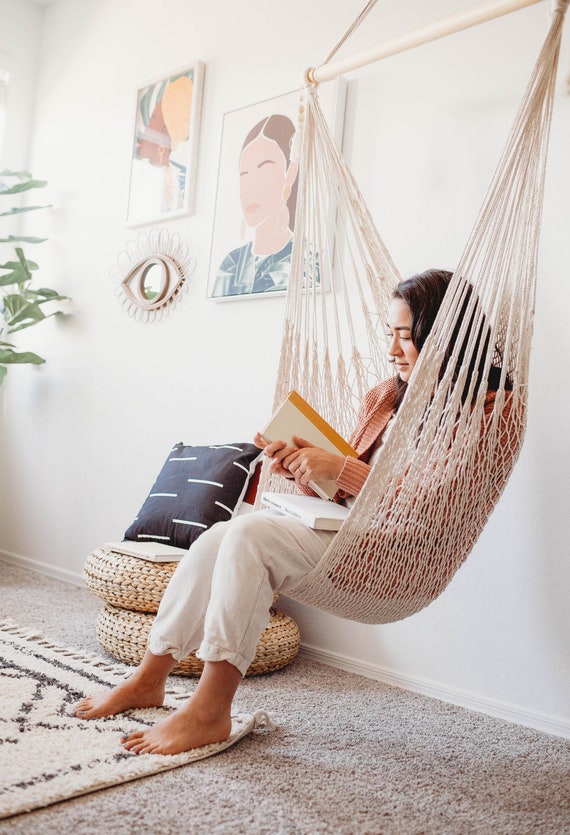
263, 178
154, 144
401, 347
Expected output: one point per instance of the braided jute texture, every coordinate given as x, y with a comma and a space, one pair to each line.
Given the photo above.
124, 635
127, 582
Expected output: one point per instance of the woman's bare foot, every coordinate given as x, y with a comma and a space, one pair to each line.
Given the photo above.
145, 688
205, 719
120, 698
188, 727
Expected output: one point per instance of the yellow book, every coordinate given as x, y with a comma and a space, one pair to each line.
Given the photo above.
296, 417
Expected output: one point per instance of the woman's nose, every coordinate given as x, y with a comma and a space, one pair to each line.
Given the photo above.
394, 347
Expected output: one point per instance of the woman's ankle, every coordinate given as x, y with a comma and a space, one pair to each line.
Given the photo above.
154, 669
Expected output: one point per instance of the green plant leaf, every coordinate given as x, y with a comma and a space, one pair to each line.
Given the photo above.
30, 314
20, 306
11, 239
29, 322
20, 270
9, 356
21, 312
17, 276
18, 188
44, 294
21, 175
11, 265
14, 303
22, 258
19, 211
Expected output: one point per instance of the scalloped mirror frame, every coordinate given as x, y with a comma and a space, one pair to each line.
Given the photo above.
151, 273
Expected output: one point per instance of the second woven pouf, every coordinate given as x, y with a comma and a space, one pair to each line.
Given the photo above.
132, 589
124, 634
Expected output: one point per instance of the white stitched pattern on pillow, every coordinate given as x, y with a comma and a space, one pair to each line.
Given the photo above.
196, 487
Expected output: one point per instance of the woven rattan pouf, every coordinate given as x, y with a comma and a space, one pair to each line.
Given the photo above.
132, 589
127, 582
124, 634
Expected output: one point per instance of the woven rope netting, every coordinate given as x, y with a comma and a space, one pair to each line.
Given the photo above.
454, 443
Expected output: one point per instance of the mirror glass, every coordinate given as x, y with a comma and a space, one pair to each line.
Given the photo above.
152, 282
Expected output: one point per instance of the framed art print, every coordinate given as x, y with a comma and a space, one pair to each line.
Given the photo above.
254, 221
165, 147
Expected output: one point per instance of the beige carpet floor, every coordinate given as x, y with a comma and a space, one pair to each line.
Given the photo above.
349, 756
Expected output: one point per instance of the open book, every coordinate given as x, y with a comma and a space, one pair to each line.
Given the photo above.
152, 551
296, 417
310, 510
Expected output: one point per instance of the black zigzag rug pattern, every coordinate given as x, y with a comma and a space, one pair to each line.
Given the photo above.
48, 755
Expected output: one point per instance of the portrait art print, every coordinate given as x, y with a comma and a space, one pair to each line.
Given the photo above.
254, 220
165, 147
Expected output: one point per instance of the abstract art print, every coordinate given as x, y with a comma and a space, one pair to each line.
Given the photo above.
256, 195
164, 153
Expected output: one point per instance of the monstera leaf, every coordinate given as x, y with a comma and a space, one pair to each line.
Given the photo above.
21, 305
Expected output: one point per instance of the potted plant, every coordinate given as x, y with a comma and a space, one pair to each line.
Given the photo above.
21, 305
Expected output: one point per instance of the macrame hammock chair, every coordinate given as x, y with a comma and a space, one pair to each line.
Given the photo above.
447, 459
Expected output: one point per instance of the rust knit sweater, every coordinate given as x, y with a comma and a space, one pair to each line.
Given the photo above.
375, 411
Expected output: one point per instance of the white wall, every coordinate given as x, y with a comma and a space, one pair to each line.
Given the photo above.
20, 33
83, 436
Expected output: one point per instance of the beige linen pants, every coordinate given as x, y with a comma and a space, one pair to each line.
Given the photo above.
217, 602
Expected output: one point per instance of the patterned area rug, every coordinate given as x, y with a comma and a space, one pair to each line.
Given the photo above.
47, 754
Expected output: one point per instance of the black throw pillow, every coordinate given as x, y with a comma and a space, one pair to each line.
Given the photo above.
196, 487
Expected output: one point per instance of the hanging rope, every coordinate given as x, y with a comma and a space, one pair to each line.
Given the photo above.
354, 25
455, 438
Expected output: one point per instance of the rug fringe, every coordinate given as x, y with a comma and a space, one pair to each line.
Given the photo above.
261, 719
12, 628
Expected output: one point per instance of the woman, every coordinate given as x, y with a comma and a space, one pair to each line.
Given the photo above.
159, 168
223, 588
268, 196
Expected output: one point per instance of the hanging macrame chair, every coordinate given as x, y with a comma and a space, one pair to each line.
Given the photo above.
453, 444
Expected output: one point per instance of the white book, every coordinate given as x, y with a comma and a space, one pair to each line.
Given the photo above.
296, 417
152, 551
310, 510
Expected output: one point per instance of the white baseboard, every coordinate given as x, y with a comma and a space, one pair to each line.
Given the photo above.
42, 568
471, 701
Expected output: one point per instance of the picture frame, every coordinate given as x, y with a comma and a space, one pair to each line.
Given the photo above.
256, 194
165, 146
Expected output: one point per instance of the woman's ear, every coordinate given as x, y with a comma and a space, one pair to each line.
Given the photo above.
292, 172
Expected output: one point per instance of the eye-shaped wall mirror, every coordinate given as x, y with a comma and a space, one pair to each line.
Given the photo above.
151, 273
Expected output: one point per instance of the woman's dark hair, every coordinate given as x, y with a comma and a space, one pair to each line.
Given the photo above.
281, 130
478, 349
423, 293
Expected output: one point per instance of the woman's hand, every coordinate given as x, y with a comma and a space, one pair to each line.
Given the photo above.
310, 463
275, 451
303, 462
